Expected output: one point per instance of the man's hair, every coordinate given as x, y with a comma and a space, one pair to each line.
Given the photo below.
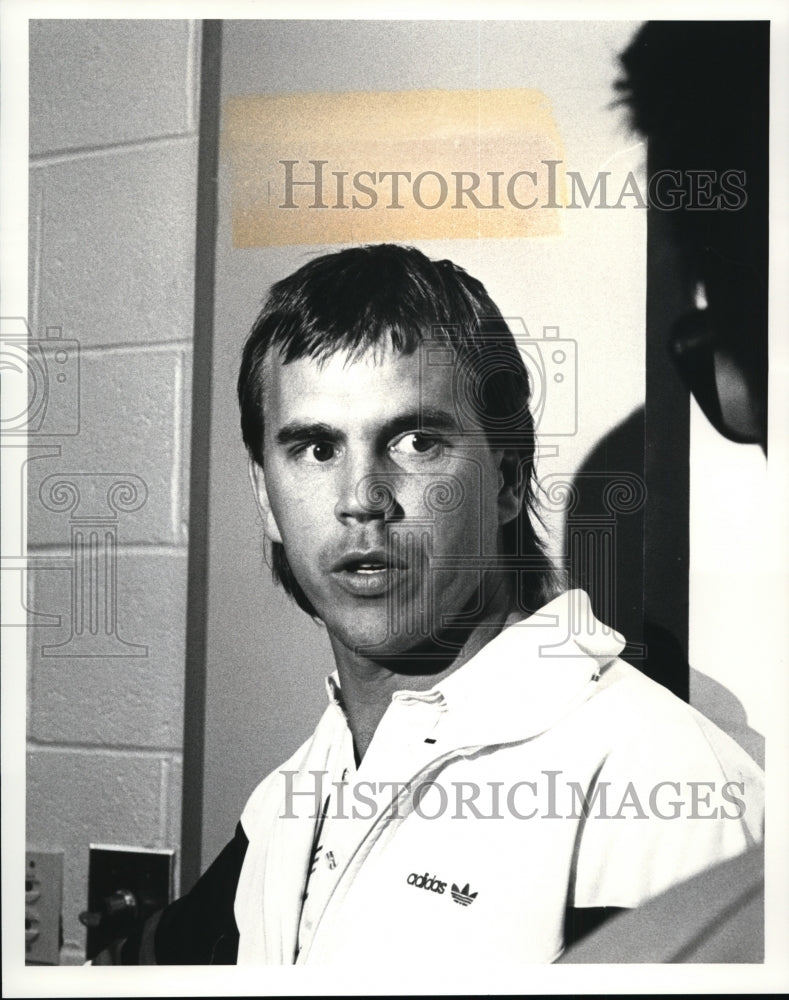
370, 296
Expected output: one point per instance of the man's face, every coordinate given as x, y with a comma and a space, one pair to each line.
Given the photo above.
387, 509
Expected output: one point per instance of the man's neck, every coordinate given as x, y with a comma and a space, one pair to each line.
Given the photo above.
368, 684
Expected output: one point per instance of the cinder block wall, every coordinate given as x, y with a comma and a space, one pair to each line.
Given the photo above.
113, 180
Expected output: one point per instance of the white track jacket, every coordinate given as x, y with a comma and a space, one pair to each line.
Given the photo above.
545, 773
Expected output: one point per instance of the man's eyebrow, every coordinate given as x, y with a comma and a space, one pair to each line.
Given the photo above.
297, 432
425, 418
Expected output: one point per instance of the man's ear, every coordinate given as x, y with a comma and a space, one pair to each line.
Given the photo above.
512, 486
258, 479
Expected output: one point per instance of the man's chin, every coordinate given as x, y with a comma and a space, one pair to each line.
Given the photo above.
403, 650
399, 633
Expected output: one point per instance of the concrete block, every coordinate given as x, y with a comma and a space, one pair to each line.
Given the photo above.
133, 700
126, 432
75, 799
99, 82
118, 245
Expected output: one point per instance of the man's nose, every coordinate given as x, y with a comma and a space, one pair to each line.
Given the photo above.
365, 491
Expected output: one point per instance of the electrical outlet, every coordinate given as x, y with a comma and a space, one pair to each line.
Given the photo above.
125, 886
43, 906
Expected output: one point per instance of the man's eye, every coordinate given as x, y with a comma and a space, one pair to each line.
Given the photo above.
317, 452
415, 443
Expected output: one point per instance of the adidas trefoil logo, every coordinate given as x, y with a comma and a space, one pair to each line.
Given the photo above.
464, 897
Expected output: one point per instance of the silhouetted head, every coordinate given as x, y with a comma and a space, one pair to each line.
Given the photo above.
699, 93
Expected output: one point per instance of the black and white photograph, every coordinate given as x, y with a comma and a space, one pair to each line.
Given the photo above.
395, 488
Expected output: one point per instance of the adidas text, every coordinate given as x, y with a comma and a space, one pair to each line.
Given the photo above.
429, 882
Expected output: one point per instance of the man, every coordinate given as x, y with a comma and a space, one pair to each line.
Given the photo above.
489, 780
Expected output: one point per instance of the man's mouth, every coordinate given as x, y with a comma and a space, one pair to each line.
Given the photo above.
368, 574
377, 561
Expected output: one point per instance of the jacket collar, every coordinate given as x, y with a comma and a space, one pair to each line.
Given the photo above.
531, 674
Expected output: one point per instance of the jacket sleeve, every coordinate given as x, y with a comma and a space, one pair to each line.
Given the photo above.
197, 929
664, 807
